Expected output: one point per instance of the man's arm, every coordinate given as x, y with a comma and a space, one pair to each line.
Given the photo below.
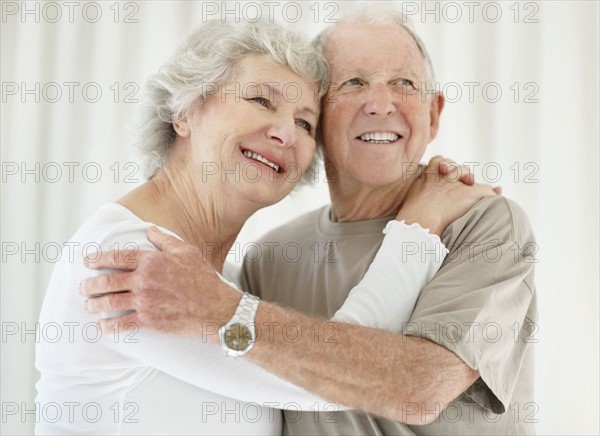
408, 379
372, 360
481, 306
383, 373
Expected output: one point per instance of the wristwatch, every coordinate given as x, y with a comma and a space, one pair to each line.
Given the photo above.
239, 334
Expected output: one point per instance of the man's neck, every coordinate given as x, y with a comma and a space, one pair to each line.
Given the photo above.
354, 201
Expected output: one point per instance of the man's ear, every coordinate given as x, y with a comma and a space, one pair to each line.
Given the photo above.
182, 126
435, 112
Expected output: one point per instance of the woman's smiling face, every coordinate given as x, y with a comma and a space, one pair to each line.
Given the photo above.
255, 133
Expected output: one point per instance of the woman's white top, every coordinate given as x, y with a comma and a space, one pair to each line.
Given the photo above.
146, 382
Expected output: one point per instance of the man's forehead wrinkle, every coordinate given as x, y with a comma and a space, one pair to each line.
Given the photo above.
346, 30
339, 53
367, 68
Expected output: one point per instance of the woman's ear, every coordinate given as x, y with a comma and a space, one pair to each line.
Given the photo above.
182, 126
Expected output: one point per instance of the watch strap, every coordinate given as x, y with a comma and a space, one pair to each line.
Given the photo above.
244, 315
246, 309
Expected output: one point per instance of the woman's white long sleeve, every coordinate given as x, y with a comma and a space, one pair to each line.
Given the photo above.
385, 298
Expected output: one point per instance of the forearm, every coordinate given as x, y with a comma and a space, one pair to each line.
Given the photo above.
407, 260
391, 375
383, 373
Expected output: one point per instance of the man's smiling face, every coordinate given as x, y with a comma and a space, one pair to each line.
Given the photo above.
376, 116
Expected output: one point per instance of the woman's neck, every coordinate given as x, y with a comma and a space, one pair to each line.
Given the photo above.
199, 217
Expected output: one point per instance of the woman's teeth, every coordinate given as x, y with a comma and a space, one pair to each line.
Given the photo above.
262, 159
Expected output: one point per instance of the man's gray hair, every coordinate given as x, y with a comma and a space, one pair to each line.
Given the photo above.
379, 13
207, 58
375, 13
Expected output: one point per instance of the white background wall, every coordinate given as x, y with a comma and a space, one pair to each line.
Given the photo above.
542, 56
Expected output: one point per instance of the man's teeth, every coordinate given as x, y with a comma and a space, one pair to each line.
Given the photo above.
379, 137
260, 158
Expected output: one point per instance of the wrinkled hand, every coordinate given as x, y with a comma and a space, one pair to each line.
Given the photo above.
172, 290
442, 193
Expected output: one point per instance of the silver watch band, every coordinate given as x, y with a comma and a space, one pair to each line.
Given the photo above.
246, 310
244, 316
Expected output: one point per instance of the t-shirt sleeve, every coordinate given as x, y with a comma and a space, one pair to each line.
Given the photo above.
481, 303
244, 279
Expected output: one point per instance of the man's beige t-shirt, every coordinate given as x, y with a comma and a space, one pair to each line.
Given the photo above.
480, 305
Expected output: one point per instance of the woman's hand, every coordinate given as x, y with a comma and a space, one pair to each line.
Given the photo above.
443, 192
172, 290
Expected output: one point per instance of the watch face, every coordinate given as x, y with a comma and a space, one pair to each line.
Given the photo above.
238, 337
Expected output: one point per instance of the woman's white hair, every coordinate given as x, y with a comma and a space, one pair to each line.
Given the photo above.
205, 59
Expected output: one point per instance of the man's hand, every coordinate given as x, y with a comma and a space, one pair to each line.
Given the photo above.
172, 290
443, 192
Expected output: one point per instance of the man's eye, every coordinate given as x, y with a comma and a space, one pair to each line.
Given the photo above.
305, 125
407, 84
352, 82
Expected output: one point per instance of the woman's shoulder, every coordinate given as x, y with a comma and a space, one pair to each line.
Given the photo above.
112, 227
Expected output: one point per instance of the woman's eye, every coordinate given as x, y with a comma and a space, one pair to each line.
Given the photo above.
352, 82
305, 125
261, 101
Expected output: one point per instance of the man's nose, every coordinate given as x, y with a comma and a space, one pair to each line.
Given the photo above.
380, 101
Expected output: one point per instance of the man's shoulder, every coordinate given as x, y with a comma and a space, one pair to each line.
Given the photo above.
495, 217
500, 207
303, 226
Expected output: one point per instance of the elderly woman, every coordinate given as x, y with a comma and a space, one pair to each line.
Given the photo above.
230, 126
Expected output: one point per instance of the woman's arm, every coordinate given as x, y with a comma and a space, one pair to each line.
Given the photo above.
174, 289
386, 296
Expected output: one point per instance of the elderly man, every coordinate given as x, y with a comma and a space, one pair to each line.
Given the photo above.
481, 305
462, 365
